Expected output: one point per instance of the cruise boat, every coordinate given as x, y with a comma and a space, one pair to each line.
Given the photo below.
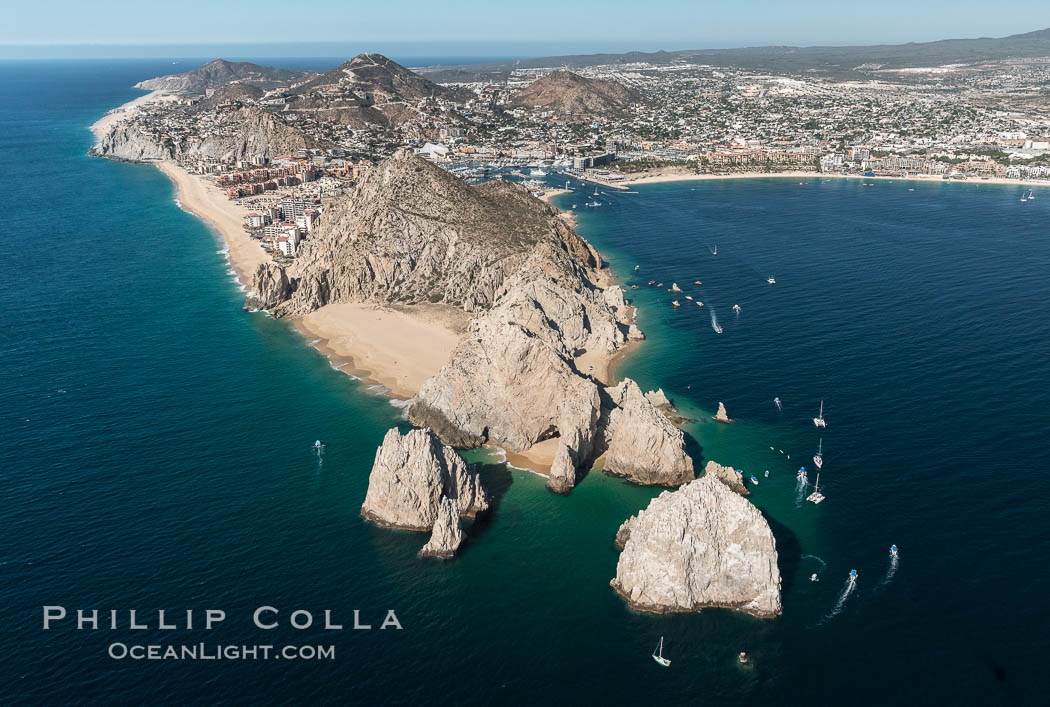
818, 458
537, 173
658, 654
819, 421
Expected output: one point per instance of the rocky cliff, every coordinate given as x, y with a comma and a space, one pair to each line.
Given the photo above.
447, 535
238, 132
412, 233
728, 476
129, 141
643, 445
411, 476
700, 546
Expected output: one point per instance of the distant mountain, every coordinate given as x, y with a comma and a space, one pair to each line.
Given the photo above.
571, 94
370, 88
219, 72
835, 61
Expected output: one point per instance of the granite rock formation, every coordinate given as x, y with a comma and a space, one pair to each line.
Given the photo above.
563, 471
447, 535
643, 445
728, 476
270, 287
412, 474
721, 415
700, 546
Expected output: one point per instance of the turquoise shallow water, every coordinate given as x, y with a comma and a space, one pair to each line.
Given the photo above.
157, 449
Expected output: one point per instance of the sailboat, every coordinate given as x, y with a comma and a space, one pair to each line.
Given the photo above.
1024, 197
818, 458
596, 191
819, 421
715, 251
658, 654
1031, 194
816, 496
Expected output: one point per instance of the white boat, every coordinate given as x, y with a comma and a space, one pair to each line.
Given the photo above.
893, 550
1024, 197
675, 303
675, 287
699, 303
818, 458
736, 308
1031, 194
754, 480
816, 496
853, 576
767, 473
636, 267
718, 329
688, 297
801, 475
715, 251
658, 654
776, 401
596, 191
772, 280
537, 173
819, 421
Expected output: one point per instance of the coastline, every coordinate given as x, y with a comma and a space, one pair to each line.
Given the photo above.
392, 349
674, 176
122, 112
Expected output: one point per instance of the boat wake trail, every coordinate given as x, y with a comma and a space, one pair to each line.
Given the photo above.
800, 493
890, 571
780, 407
714, 322
823, 564
840, 602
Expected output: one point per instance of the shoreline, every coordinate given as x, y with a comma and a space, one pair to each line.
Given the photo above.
665, 177
391, 349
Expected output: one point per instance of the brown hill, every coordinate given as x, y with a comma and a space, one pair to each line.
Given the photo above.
369, 88
220, 72
571, 94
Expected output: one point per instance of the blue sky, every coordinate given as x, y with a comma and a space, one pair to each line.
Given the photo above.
613, 25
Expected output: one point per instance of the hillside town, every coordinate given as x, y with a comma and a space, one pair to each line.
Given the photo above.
282, 150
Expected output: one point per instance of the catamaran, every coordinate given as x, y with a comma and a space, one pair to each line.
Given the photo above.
819, 421
818, 458
816, 496
658, 654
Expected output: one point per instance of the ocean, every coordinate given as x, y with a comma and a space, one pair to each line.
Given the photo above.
158, 450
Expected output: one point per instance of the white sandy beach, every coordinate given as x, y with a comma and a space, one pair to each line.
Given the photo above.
398, 347
205, 200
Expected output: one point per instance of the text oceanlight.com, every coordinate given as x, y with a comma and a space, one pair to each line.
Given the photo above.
202, 651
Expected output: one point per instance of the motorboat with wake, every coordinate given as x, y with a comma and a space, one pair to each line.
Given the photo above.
801, 475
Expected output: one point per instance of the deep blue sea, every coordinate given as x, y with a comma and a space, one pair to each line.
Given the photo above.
157, 450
